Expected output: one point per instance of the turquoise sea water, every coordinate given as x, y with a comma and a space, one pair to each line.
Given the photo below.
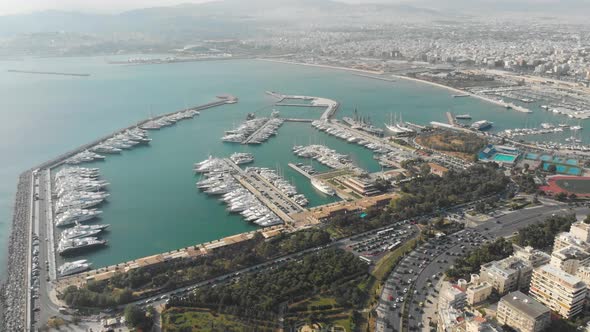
154, 205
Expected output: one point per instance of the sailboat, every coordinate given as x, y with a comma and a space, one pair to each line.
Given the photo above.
398, 127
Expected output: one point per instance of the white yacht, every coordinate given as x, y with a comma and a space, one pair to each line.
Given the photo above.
322, 186
70, 268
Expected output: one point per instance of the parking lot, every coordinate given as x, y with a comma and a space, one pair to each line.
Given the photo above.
410, 287
374, 245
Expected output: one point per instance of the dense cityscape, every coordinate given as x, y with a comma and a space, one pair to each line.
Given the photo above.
358, 220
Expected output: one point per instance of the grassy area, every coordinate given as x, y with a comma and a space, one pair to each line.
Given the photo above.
181, 319
318, 301
386, 264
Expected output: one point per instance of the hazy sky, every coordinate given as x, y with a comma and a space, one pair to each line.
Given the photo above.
104, 6
109, 6
114, 6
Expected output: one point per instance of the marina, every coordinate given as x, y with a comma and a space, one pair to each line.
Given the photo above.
189, 142
254, 131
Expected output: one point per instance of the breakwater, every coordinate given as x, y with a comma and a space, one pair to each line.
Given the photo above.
61, 159
13, 293
47, 73
15, 305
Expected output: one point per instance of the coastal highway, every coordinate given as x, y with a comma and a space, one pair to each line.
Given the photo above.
500, 226
47, 308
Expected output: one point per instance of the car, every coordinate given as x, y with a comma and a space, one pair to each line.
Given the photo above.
405, 290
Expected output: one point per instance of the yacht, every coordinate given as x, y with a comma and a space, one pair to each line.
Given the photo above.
398, 127
77, 232
482, 125
463, 117
70, 268
322, 186
68, 246
240, 158
73, 216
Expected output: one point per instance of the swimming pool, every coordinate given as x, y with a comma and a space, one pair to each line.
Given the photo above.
546, 157
574, 171
506, 158
571, 162
564, 169
531, 156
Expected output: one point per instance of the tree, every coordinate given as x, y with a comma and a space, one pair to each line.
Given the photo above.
136, 317
552, 169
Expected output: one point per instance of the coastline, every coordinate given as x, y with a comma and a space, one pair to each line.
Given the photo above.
365, 71
489, 100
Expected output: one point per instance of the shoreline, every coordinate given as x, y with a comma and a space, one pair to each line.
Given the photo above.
489, 100
365, 71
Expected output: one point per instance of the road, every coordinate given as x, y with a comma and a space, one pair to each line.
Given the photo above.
439, 255
42, 227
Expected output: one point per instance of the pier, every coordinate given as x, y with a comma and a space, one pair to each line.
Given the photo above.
298, 120
330, 105
249, 139
33, 217
299, 170
273, 198
47, 73
223, 100
451, 119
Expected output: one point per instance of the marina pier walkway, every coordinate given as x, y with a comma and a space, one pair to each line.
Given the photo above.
299, 170
273, 198
451, 119
330, 105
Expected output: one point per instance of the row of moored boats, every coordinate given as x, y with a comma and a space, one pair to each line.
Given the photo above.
168, 120
78, 191
334, 130
326, 156
253, 131
280, 183
218, 180
122, 141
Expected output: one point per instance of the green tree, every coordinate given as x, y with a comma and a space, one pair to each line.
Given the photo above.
136, 317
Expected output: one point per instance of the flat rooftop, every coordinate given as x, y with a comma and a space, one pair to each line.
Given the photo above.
525, 304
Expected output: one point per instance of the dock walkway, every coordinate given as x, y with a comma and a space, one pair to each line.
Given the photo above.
299, 170
451, 119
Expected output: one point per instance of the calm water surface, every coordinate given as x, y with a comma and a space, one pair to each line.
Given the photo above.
154, 205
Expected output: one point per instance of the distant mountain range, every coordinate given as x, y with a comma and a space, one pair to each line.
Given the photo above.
189, 16
241, 16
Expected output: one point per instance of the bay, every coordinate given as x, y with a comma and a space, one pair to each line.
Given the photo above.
154, 205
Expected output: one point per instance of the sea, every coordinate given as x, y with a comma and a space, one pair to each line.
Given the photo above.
154, 205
